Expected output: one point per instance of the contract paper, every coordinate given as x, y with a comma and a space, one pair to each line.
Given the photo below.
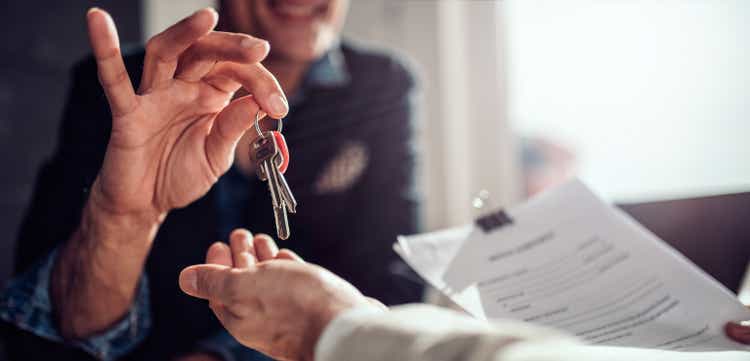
429, 254
570, 261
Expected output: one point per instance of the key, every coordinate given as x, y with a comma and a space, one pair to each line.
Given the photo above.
282, 161
265, 152
279, 204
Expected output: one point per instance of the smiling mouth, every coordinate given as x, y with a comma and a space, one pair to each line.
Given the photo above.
298, 9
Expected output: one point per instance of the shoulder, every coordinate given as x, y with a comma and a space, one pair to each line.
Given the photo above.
374, 66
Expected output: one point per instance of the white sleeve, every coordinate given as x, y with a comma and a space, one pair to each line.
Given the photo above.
428, 333
341, 327
420, 332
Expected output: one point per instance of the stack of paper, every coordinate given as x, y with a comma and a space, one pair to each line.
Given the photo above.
569, 260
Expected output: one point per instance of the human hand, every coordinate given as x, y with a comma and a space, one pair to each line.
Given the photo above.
176, 135
271, 300
739, 331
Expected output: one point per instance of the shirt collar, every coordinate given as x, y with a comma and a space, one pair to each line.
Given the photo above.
329, 71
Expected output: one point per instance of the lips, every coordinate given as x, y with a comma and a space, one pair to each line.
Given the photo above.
298, 9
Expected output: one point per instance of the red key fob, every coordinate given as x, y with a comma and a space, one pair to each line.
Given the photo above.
281, 143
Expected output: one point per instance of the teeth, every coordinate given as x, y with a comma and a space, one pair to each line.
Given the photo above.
295, 9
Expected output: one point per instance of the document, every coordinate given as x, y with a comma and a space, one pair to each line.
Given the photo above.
568, 260
429, 254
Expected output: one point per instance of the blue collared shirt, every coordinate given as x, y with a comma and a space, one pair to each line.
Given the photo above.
26, 301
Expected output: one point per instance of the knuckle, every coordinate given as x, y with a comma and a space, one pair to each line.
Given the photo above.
109, 53
115, 79
240, 309
204, 284
153, 45
233, 289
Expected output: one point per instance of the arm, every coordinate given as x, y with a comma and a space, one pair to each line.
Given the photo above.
317, 315
167, 146
421, 332
143, 173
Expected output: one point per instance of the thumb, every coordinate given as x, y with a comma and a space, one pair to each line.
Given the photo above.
739, 331
228, 127
206, 281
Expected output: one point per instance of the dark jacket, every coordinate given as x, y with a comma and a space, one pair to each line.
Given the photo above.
348, 230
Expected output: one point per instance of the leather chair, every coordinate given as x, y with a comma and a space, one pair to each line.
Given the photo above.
713, 232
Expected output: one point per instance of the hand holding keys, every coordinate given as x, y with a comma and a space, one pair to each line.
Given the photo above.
271, 156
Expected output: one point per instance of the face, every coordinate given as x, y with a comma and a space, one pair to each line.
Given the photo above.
298, 30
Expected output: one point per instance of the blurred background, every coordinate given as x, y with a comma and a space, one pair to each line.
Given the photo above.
646, 101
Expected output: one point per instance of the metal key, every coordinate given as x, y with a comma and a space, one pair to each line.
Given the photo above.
265, 151
285, 191
283, 188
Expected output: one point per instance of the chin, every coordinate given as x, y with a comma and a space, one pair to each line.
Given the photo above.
306, 49
300, 30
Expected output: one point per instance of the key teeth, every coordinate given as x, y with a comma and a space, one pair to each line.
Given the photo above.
266, 155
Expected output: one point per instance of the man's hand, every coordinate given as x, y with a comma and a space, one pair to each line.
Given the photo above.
170, 142
172, 139
271, 300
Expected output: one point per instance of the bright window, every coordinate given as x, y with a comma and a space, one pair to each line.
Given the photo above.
652, 96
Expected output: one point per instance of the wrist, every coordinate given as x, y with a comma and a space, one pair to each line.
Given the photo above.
105, 224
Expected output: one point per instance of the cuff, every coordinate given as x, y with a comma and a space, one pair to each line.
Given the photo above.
26, 304
341, 327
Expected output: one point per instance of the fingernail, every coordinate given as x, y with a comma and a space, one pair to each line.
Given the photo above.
189, 281
247, 43
278, 104
241, 232
92, 9
212, 10
250, 42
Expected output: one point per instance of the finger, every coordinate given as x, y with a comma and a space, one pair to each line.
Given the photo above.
241, 242
376, 303
112, 73
200, 57
226, 131
265, 247
256, 79
739, 332
289, 255
206, 281
164, 49
220, 254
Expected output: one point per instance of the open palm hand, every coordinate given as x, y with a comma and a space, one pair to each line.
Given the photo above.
176, 135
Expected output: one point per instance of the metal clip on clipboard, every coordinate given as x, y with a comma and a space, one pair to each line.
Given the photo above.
489, 221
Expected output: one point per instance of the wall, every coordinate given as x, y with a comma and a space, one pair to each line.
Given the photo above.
653, 95
40, 42
463, 135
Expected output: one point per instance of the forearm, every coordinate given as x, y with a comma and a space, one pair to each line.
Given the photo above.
422, 332
96, 274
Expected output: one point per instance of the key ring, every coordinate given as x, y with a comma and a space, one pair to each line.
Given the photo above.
280, 125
